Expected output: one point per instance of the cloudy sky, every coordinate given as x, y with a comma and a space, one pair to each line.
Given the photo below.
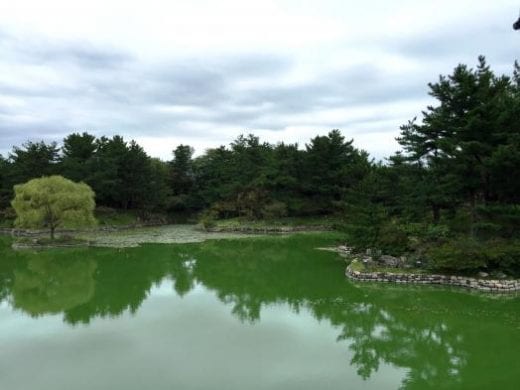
200, 72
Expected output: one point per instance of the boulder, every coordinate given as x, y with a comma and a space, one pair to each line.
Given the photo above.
389, 261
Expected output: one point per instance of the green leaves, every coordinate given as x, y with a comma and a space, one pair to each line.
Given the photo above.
52, 202
467, 141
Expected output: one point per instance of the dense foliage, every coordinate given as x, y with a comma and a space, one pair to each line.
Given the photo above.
452, 196
249, 178
52, 202
454, 186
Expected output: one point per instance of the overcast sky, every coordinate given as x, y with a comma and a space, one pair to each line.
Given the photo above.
201, 72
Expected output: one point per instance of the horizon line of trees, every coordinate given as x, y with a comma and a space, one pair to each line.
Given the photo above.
249, 178
463, 154
452, 195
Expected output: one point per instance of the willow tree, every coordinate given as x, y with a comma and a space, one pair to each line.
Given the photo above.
52, 202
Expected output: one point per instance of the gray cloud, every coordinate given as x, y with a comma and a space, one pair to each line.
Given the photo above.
105, 90
462, 42
36, 50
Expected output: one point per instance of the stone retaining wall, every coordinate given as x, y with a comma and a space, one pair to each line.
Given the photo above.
487, 285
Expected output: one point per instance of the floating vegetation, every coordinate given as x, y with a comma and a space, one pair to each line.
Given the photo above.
170, 234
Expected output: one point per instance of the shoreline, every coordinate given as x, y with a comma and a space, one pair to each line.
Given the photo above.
484, 285
14, 232
270, 229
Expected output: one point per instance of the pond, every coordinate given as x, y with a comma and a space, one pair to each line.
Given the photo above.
255, 313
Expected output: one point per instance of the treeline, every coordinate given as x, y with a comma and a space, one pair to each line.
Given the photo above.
452, 196
454, 186
247, 179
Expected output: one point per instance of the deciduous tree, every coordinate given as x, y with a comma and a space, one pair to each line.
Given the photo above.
52, 202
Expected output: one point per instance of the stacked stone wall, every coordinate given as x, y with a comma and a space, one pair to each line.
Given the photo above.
488, 285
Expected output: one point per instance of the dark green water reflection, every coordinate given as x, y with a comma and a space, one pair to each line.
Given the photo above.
265, 313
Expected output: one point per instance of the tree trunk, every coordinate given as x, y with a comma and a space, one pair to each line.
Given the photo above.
52, 232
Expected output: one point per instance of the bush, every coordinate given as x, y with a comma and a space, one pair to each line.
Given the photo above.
7, 217
303, 207
103, 210
223, 209
360, 236
178, 202
461, 255
392, 240
503, 256
250, 203
468, 255
7, 213
274, 210
208, 219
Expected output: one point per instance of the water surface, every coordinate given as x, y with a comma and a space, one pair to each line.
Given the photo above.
258, 313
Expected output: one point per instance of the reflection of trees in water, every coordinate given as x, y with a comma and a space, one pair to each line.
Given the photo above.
182, 270
414, 329
428, 346
123, 281
52, 286
7, 268
83, 284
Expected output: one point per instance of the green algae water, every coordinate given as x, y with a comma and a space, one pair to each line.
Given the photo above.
254, 313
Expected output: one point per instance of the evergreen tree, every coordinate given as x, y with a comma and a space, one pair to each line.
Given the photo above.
33, 160
78, 152
476, 115
5, 189
182, 178
332, 165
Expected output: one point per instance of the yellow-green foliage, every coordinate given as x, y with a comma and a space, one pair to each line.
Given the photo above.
52, 202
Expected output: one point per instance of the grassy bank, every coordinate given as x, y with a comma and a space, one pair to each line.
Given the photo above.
108, 217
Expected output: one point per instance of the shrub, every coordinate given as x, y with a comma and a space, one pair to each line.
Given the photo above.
208, 219
392, 240
388, 237
461, 255
7, 217
224, 209
103, 210
465, 255
503, 255
274, 210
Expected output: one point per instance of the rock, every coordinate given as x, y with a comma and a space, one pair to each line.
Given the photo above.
345, 249
390, 261
500, 275
483, 274
367, 260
